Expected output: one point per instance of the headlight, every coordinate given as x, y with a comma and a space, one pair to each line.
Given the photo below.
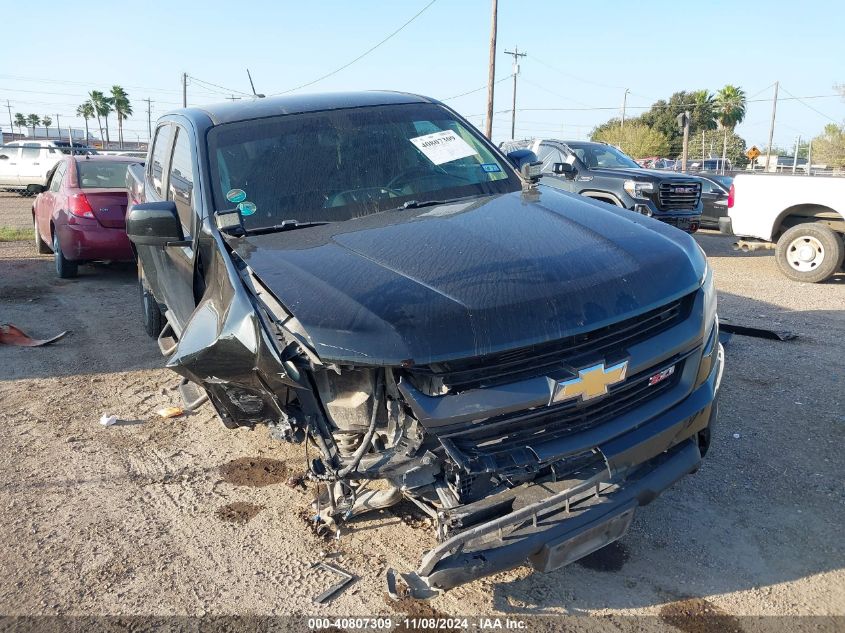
637, 189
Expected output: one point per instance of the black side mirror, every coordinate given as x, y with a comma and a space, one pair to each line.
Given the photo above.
154, 224
564, 169
526, 164
36, 189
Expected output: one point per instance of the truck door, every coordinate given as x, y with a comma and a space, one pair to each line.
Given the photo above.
9, 159
171, 175
549, 155
33, 165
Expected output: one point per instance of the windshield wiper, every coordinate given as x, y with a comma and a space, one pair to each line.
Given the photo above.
284, 225
418, 204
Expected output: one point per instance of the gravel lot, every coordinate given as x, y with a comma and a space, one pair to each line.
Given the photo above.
182, 516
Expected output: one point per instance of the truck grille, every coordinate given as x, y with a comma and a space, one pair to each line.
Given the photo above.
502, 444
679, 194
546, 358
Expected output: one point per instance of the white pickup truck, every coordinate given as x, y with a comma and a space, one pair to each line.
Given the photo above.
804, 215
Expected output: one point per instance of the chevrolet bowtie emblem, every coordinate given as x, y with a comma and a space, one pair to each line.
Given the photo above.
591, 382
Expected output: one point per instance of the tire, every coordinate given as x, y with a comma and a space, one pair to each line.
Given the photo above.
810, 252
153, 319
40, 246
65, 268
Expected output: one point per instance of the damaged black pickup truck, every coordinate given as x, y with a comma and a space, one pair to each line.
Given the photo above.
366, 275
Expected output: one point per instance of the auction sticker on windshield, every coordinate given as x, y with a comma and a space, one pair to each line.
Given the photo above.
443, 147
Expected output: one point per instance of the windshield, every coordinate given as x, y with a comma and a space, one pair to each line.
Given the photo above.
101, 174
603, 156
340, 164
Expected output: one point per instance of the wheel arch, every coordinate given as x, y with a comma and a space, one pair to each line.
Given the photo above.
603, 196
807, 212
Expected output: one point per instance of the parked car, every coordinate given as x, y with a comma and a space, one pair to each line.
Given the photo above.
714, 198
24, 165
366, 273
602, 172
79, 215
804, 215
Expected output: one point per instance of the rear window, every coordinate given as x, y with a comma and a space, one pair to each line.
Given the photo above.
101, 174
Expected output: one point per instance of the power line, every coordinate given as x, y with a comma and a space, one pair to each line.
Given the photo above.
807, 105
361, 56
552, 92
226, 91
484, 87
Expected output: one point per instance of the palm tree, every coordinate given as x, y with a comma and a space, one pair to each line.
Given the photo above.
730, 111
33, 120
122, 107
47, 121
20, 121
730, 106
86, 111
101, 108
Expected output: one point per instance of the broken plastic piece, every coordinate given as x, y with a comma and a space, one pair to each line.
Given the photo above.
12, 335
170, 412
108, 420
346, 579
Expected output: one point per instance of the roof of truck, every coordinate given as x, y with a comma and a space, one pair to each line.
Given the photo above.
256, 108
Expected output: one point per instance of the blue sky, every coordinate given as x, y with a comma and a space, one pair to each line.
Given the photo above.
580, 55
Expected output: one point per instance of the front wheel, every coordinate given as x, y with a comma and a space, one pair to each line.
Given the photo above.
40, 246
153, 319
810, 252
65, 268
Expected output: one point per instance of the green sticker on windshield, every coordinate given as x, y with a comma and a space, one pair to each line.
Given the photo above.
236, 195
247, 208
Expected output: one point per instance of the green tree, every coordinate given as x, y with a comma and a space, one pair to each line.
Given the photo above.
663, 116
730, 106
33, 121
634, 138
47, 121
20, 121
122, 108
829, 146
102, 108
86, 111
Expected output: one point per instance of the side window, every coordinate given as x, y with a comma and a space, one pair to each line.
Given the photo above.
58, 176
549, 155
163, 137
30, 152
181, 180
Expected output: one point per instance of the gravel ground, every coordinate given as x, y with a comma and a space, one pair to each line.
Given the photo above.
182, 516
15, 210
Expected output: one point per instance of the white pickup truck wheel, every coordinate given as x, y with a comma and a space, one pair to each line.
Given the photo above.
810, 252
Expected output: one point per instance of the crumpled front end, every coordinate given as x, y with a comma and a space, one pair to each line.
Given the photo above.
537, 454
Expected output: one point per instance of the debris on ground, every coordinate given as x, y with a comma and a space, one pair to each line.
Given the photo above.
170, 412
345, 579
13, 335
108, 420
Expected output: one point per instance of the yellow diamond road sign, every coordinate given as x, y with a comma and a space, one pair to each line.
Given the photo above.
753, 152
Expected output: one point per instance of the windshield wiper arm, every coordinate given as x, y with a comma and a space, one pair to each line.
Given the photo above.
284, 225
418, 204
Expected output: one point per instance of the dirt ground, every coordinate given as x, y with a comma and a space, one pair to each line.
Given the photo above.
182, 516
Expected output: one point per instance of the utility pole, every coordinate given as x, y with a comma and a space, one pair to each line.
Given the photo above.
184, 90
11, 124
149, 118
702, 147
795, 158
516, 55
683, 119
624, 105
59, 128
810, 158
772, 126
491, 72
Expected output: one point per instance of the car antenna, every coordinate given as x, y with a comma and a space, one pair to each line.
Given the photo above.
252, 85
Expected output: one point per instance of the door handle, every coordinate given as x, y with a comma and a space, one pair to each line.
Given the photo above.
36, 163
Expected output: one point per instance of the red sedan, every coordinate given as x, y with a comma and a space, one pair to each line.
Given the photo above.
80, 215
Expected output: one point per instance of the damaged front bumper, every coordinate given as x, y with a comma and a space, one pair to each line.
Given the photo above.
556, 523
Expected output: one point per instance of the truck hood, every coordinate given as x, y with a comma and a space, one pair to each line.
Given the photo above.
476, 277
639, 174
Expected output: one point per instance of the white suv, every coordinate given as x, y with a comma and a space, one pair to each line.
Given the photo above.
24, 165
